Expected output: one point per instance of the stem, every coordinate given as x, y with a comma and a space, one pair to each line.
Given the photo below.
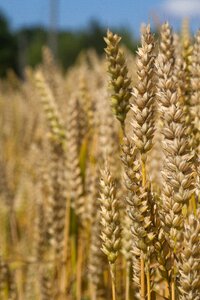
122, 133
15, 241
173, 289
92, 291
173, 297
153, 295
79, 269
112, 273
123, 129
142, 263
167, 288
148, 284
142, 278
63, 277
143, 174
127, 280
113, 291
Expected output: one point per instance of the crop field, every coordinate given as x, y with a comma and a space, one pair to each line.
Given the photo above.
100, 174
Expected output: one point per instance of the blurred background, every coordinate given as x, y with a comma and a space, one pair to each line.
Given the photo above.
70, 27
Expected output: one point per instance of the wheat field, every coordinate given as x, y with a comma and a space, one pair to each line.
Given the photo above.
100, 174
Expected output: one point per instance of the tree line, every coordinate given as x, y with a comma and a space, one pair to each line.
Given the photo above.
23, 47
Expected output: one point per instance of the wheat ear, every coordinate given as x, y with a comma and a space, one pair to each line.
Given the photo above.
177, 169
189, 284
110, 222
120, 81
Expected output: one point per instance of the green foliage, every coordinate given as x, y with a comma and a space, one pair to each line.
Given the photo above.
24, 46
8, 58
34, 39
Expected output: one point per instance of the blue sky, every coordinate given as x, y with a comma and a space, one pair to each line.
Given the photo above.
74, 14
